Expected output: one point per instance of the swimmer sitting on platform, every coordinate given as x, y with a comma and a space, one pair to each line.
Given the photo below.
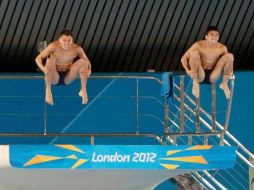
205, 60
62, 65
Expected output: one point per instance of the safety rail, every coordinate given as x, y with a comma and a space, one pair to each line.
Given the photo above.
167, 131
45, 113
211, 179
91, 135
223, 129
212, 130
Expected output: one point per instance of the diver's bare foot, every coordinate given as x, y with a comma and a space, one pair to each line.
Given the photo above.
224, 87
49, 98
83, 95
195, 88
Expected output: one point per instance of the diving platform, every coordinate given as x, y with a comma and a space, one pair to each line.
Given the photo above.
136, 132
109, 166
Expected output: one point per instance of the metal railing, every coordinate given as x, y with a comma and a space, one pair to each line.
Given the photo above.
211, 179
92, 136
197, 132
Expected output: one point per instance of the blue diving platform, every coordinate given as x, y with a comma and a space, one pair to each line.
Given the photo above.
130, 135
122, 166
199, 157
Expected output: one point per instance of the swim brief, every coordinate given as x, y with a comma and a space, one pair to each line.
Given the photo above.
62, 75
207, 76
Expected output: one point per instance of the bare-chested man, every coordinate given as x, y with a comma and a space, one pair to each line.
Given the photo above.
65, 62
205, 60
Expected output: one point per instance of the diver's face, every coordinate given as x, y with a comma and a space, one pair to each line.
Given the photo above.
212, 37
65, 42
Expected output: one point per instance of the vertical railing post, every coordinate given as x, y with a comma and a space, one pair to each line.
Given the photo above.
40, 47
189, 140
197, 115
229, 104
222, 139
182, 103
166, 115
213, 106
92, 140
174, 140
137, 105
205, 139
45, 113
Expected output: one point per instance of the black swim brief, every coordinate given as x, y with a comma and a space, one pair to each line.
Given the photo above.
207, 76
62, 75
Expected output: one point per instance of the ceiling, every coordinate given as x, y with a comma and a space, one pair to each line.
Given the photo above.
124, 35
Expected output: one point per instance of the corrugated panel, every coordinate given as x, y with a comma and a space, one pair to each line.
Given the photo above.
124, 35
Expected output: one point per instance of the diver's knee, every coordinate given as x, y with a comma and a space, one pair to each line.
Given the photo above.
83, 68
201, 78
213, 78
67, 81
81, 63
50, 64
48, 71
229, 58
84, 72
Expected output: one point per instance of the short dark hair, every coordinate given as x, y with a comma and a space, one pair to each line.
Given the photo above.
65, 32
212, 28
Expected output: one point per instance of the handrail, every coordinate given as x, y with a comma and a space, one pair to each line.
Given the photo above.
91, 77
150, 135
228, 105
223, 130
203, 121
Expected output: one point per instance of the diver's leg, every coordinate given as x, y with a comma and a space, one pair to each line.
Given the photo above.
198, 73
79, 68
51, 77
225, 65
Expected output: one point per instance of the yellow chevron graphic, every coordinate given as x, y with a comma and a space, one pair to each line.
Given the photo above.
170, 166
38, 159
190, 159
70, 147
41, 159
200, 147
170, 152
73, 156
78, 163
